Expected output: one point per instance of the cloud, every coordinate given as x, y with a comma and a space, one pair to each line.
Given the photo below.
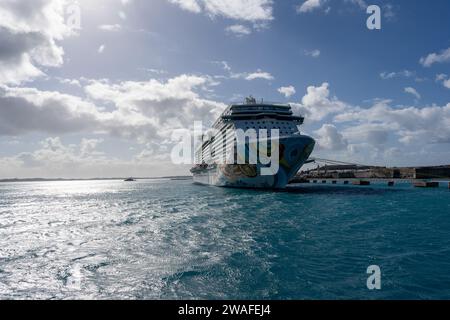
392, 75
424, 125
126, 2
388, 11
371, 134
446, 83
142, 111
366, 133
29, 33
224, 64
73, 82
313, 53
259, 74
329, 138
122, 15
412, 91
432, 58
163, 106
244, 10
402, 74
249, 76
85, 160
316, 105
25, 110
309, 6
189, 5
239, 30
360, 3
110, 27
443, 79
287, 91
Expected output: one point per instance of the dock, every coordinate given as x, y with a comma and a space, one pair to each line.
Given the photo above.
387, 182
341, 173
426, 184
361, 183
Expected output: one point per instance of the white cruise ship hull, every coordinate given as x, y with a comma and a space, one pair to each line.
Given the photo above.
295, 151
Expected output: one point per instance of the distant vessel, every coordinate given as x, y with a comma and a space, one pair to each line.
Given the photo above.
130, 180
294, 148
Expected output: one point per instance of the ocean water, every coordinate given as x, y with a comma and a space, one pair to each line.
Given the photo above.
165, 239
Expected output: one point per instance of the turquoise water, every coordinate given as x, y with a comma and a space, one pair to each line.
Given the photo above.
174, 240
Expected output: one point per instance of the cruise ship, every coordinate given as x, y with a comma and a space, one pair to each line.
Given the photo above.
220, 164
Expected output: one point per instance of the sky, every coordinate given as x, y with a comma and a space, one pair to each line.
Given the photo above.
96, 88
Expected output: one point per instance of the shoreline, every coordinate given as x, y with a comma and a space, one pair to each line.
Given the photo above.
90, 179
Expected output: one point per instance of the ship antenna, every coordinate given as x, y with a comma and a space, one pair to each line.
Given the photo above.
250, 100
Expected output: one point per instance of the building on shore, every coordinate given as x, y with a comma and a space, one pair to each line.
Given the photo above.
368, 172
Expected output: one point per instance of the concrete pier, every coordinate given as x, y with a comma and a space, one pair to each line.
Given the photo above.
426, 184
373, 181
361, 183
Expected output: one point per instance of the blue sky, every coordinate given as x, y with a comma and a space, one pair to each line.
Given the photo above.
104, 99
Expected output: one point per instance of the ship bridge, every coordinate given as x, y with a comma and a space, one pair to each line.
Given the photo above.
252, 110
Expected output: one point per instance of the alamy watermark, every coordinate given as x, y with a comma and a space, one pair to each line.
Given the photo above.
374, 20
374, 279
72, 15
232, 146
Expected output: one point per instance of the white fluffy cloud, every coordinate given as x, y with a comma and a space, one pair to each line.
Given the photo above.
328, 137
110, 27
239, 30
373, 133
392, 75
25, 110
313, 53
101, 49
144, 111
309, 5
413, 92
287, 91
85, 160
443, 79
169, 105
249, 76
189, 5
446, 83
245, 10
29, 36
429, 124
259, 74
317, 105
432, 58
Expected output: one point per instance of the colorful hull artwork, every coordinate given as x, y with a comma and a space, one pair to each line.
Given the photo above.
294, 152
